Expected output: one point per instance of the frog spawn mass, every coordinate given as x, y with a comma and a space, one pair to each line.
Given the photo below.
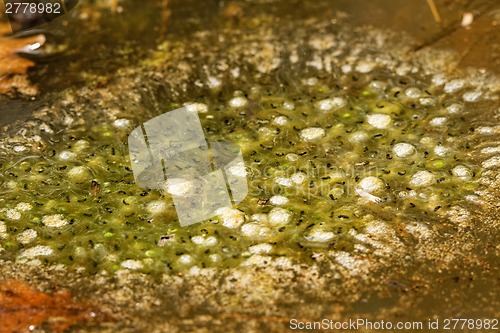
322, 167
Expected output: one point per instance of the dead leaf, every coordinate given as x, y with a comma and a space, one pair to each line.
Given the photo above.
5, 29
22, 307
13, 67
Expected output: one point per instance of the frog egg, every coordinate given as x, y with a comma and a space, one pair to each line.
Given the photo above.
179, 186
185, 259
404, 69
197, 107
422, 178
210, 241
156, 207
54, 221
262, 218
312, 81
231, 218
66, 155
442, 151
12, 214
204, 241
287, 182
279, 216
462, 172
238, 170
215, 257
298, 178
427, 101
198, 240
413, 92
238, 102
358, 137
492, 162
235, 72
439, 121
346, 68
453, 86
337, 191
330, 104
439, 79
213, 82
37, 251
260, 248
312, 133
11, 184
372, 184
491, 150
292, 157
289, 105
3, 229
365, 66
378, 85
472, 96
132, 264
80, 145
403, 149
337, 176
428, 141
266, 132
121, 123
320, 236
19, 149
79, 174
278, 200
251, 229
473, 198
281, 120
27, 236
379, 120
23, 207
262, 233
455, 108
486, 130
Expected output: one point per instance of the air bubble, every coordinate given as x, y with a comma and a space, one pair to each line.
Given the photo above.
413, 92
472, 96
238, 102
453, 86
403, 149
422, 178
279, 216
312, 133
379, 120
278, 200
371, 184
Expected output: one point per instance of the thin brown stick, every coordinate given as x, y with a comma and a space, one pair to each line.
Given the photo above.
434, 11
114, 6
165, 14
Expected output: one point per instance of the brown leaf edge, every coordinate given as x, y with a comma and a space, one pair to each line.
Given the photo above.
23, 308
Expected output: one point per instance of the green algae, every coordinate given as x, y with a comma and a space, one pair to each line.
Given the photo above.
84, 179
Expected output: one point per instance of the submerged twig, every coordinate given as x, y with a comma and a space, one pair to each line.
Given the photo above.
449, 31
434, 11
165, 14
